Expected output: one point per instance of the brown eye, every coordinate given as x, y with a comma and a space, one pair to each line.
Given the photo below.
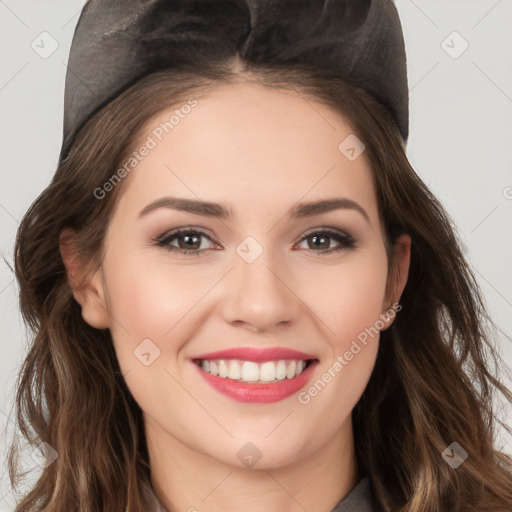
188, 241
320, 241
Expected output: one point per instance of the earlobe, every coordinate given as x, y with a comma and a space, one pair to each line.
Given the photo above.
397, 278
87, 290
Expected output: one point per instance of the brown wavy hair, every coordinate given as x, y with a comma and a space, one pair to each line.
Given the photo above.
436, 372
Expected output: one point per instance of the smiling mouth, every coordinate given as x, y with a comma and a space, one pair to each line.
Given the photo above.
251, 372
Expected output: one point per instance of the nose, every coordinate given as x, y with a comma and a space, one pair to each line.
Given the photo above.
260, 296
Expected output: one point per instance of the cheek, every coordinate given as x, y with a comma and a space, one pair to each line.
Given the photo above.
360, 301
349, 307
347, 298
147, 302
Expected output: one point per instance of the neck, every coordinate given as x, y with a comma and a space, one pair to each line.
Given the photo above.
188, 480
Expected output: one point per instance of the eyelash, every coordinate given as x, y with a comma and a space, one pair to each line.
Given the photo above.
346, 241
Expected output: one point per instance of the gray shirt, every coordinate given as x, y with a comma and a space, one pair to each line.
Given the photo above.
359, 499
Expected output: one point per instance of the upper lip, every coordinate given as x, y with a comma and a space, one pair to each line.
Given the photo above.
256, 354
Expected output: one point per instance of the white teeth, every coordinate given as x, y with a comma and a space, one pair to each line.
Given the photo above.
235, 370
281, 370
223, 369
250, 371
290, 372
268, 371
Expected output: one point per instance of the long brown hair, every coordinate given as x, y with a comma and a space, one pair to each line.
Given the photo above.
433, 382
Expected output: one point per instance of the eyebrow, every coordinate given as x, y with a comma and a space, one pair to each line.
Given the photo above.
215, 210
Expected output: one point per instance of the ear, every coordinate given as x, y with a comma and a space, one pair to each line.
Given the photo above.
87, 290
397, 276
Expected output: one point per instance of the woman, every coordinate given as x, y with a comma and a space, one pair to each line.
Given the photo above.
242, 295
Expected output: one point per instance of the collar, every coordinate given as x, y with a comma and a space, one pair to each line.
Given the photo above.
359, 499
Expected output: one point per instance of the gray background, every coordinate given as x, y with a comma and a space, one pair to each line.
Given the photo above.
460, 143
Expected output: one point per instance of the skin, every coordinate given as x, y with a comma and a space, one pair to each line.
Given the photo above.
258, 151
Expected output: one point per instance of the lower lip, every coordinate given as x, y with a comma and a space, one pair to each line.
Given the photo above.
262, 393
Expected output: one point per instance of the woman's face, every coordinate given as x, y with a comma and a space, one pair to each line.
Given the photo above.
266, 279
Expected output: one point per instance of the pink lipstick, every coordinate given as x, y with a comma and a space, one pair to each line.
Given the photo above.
249, 374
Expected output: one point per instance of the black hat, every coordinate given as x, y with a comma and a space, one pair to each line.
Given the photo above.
118, 42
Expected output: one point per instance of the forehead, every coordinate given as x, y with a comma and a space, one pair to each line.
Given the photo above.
243, 144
